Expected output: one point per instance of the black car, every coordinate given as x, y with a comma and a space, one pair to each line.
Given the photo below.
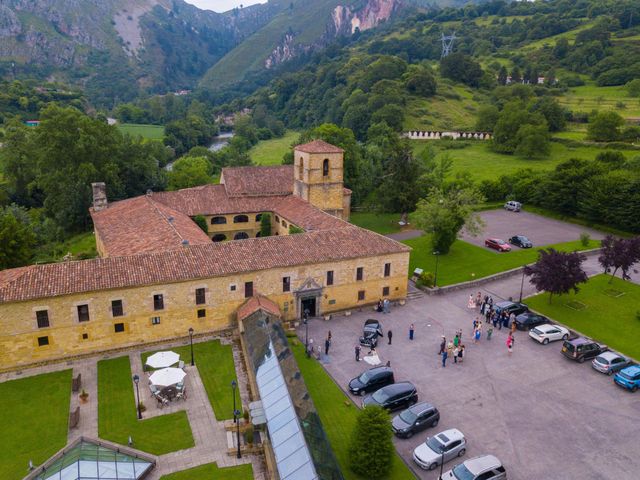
520, 241
371, 380
511, 307
371, 331
529, 320
581, 349
393, 397
414, 419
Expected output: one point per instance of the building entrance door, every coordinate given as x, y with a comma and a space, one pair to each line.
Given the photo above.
309, 304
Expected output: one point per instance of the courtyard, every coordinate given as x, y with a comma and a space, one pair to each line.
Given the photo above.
542, 415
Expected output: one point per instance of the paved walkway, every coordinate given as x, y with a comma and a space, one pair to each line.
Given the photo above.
405, 235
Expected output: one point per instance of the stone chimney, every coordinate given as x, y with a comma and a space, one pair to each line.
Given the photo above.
99, 196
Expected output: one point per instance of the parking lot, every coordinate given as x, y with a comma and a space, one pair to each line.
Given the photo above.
541, 230
543, 416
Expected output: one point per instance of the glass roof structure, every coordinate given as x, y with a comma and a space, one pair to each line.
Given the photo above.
87, 460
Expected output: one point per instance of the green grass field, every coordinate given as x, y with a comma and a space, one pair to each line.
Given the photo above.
466, 262
117, 413
34, 414
210, 471
608, 318
382, 223
82, 245
150, 132
270, 152
338, 414
216, 369
592, 97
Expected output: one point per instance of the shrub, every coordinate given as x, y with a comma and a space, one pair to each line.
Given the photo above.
265, 225
371, 448
248, 436
585, 238
426, 279
202, 223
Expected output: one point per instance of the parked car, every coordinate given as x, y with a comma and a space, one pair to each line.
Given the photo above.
513, 206
451, 443
520, 241
414, 419
371, 331
371, 380
628, 378
548, 333
497, 244
581, 349
528, 320
610, 363
485, 467
511, 307
393, 397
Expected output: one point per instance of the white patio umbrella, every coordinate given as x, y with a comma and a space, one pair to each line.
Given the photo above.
163, 359
167, 377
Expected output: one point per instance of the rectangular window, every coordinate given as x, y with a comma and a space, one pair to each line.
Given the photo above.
155, 320
118, 327
232, 288
83, 313
361, 295
43, 341
248, 289
42, 316
330, 277
85, 336
387, 269
359, 273
200, 296
116, 308
385, 291
202, 313
286, 284
158, 302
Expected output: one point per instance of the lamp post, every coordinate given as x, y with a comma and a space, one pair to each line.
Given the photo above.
136, 380
236, 413
435, 277
305, 319
234, 384
441, 464
522, 283
191, 341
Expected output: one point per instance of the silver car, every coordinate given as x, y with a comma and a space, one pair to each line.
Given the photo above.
610, 362
445, 445
485, 467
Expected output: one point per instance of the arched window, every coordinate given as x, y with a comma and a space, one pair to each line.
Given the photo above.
240, 236
218, 220
258, 235
240, 219
220, 237
258, 217
301, 168
284, 224
325, 167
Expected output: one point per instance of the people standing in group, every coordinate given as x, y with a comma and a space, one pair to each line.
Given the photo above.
456, 350
494, 318
459, 335
443, 344
444, 358
461, 353
509, 342
477, 333
512, 320
411, 331
389, 335
357, 352
380, 306
471, 303
449, 349
456, 340
489, 332
478, 299
386, 306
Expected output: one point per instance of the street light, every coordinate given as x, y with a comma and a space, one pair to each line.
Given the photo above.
191, 341
441, 463
522, 283
435, 277
136, 380
234, 384
305, 319
236, 413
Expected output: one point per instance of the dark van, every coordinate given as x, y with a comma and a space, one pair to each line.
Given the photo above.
371, 380
581, 349
393, 397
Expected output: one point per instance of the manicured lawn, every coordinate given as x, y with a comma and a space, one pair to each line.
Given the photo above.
607, 317
338, 418
210, 471
34, 414
216, 369
469, 262
117, 413
270, 152
382, 223
151, 132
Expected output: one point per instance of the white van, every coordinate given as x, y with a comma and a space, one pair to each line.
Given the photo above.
513, 206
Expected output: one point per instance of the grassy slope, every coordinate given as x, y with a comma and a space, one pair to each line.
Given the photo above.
592, 97
150, 132
216, 369
605, 318
453, 107
270, 152
338, 418
468, 262
117, 413
34, 417
211, 471
382, 223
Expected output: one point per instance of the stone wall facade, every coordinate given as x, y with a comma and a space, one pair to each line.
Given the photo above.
320, 186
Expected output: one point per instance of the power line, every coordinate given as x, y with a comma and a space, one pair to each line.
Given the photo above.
447, 44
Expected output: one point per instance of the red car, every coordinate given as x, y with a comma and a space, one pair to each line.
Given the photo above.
497, 244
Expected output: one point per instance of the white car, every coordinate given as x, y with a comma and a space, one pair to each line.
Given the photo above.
450, 444
547, 332
485, 467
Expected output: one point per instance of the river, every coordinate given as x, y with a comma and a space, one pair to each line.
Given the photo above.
217, 143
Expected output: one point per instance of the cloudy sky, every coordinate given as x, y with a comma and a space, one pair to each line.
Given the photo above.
222, 5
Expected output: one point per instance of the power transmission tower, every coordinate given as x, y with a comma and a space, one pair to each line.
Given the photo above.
447, 44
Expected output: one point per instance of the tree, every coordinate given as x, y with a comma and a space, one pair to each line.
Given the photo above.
516, 75
420, 81
512, 118
189, 172
605, 127
633, 88
265, 225
461, 68
444, 213
502, 75
557, 272
532, 141
201, 221
552, 111
487, 118
619, 254
371, 447
17, 238
398, 191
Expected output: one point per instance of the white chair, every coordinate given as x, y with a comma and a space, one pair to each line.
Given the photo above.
181, 364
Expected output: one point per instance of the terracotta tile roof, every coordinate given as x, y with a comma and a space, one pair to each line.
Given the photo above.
258, 181
141, 225
255, 303
193, 262
318, 146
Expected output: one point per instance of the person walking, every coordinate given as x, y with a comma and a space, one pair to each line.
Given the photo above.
329, 335
357, 352
327, 344
411, 330
443, 344
444, 358
510, 343
389, 335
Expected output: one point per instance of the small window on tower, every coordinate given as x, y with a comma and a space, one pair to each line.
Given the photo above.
301, 168
325, 167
